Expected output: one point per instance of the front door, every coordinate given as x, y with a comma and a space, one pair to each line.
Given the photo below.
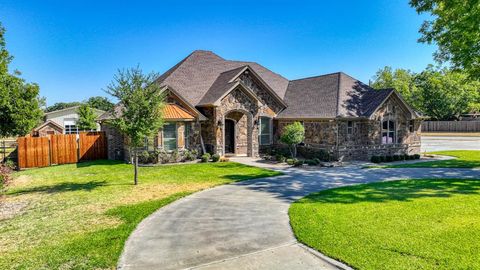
229, 136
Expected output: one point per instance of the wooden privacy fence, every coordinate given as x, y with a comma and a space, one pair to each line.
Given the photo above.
61, 149
451, 126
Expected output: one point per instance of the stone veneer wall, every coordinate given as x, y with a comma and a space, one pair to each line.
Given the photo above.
365, 140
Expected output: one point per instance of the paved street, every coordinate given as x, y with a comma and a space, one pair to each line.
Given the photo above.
440, 143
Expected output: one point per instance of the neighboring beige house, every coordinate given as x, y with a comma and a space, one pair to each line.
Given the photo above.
240, 108
61, 122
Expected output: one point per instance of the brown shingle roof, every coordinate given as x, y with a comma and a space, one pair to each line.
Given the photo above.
203, 77
195, 75
329, 96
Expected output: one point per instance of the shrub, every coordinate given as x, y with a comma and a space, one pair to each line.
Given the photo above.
312, 153
205, 157
144, 157
383, 158
416, 156
312, 162
5, 174
189, 155
215, 157
291, 161
317, 161
406, 157
280, 158
298, 163
396, 157
224, 159
375, 159
388, 158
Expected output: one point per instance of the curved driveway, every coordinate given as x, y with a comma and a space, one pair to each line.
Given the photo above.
245, 225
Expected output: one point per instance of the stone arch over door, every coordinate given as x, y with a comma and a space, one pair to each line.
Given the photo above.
243, 138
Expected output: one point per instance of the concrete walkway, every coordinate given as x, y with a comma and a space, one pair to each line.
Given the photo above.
245, 225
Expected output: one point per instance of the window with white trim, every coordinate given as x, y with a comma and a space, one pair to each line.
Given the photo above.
265, 133
388, 132
170, 136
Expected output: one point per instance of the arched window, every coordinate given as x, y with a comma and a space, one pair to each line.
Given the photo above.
388, 132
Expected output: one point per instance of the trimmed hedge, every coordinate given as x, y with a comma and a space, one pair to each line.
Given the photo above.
381, 159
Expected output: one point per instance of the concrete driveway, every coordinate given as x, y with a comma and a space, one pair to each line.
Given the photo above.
245, 225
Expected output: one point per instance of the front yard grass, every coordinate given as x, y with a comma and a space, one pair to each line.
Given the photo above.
79, 216
407, 224
463, 159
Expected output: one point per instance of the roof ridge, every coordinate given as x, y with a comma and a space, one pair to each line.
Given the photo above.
316, 76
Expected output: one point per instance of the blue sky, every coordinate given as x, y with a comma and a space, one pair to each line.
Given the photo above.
73, 48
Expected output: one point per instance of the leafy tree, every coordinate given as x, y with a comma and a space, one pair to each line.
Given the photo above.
455, 29
62, 105
446, 94
140, 109
86, 118
442, 94
402, 80
101, 103
292, 135
19, 101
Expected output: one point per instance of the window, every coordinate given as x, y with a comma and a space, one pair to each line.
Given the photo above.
350, 127
388, 132
170, 136
411, 125
71, 129
265, 133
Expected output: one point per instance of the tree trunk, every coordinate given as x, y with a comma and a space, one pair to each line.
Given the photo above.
135, 176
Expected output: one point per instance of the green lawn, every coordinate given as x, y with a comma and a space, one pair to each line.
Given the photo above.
78, 216
408, 224
464, 159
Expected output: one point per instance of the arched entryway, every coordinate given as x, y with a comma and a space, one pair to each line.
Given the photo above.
237, 133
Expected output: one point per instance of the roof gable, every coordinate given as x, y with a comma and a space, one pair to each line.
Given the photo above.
195, 75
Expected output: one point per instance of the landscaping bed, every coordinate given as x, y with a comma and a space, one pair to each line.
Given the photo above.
78, 216
408, 224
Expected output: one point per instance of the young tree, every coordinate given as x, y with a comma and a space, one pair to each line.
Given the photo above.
19, 101
455, 29
140, 109
292, 135
86, 118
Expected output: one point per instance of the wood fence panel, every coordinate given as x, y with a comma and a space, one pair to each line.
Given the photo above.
64, 148
451, 126
33, 152
93, 145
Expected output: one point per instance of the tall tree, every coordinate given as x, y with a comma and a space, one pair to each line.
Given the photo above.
140, 110
402, 80
62, 105
442, 94
86, 118
101, 103
455, 28
19, 101
446, 94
